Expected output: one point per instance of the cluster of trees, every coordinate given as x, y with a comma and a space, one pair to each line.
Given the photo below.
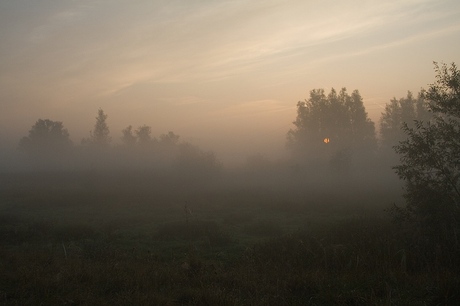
399, 112
430, 163
46, 137
48, 145
335, 127
423, 131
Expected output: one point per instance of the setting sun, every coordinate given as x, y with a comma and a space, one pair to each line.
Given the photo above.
169, 152
210, 69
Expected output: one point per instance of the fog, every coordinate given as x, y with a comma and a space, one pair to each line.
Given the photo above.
229, 152
323, 173
224, 76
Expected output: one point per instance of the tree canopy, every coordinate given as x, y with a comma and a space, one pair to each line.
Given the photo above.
46, 137
398, 112
100, 134
333, 123
128, 138
430, 159
143, 134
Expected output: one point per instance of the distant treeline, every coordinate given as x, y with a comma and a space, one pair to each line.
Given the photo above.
48, 147
336, 127
332, 129
334, 147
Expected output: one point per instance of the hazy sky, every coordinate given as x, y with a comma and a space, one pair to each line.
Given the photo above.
225, 75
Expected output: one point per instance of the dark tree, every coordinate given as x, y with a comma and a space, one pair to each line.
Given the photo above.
100, 135
128, 137
398, 112
143, 135
335, 125
46, 137
169, 139
430, 160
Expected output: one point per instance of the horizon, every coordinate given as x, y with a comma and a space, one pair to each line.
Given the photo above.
223, 75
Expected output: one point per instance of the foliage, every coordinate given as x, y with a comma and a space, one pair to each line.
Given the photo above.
143, 135
100, 135
128, 137
184, 157
331, 125
46, 137
398, 112
169, 139
430, 162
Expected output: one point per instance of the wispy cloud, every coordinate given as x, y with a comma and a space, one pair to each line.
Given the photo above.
107, 49
259, 108
415, 37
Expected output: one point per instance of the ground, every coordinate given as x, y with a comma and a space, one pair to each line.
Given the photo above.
105, 239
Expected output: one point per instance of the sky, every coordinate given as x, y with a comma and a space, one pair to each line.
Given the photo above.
224, 75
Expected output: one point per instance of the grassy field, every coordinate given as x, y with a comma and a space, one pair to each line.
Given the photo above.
127, 239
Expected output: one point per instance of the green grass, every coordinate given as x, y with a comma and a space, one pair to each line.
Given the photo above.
134, 246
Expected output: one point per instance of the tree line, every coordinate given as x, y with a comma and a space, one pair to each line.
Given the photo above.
331, 130
424, 132
335, 127
48, 145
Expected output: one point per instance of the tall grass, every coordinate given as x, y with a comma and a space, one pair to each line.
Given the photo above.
94, 247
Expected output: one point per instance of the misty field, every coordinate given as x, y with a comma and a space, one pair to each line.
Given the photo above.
137, 239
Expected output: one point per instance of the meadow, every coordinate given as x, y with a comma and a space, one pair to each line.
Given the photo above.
133, 238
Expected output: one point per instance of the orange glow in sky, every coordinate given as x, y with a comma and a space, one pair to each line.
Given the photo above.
225, 75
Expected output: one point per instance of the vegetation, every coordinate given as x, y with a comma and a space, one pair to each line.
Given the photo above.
64, 241
335, 126
159, 221
46, 137
399, 112
100, 135
48, 146
430, 163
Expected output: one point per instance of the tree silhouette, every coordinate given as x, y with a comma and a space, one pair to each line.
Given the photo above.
335, 125
100, 135
46, 137
398, 112
143, 135
169, 139
128, 137
429, 160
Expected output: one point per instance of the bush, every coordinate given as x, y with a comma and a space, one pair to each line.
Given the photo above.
430, 162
